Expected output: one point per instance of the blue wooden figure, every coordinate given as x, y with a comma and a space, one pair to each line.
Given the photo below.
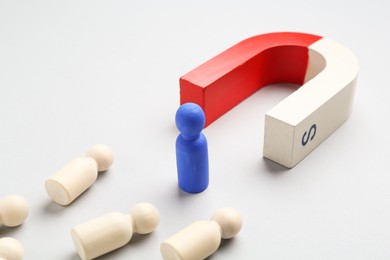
191, 149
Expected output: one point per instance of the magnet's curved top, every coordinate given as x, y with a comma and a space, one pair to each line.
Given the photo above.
225, 80
326, 69
285, 48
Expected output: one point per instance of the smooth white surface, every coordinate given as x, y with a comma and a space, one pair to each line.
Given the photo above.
76, 73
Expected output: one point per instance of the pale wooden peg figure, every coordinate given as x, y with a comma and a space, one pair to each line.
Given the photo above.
113, 230
79, 174
202, 238
13, 210
11, 249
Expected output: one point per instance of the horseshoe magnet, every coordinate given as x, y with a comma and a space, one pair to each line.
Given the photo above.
293, 128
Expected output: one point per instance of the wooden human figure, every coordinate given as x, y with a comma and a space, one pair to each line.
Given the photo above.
113, 230
79, 174
202, 238
191, 149
13, 210
10, 249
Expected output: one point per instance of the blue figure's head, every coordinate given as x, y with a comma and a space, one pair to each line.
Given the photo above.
190, 120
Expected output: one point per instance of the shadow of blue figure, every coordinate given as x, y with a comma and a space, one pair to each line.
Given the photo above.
191, 149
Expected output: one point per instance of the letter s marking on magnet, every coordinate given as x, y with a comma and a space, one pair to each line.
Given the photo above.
306, 140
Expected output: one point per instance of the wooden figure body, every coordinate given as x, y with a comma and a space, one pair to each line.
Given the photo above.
191, 149
113, 230
202, 238
79, 174
13, 210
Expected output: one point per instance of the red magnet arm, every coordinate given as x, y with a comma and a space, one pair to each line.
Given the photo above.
230, 77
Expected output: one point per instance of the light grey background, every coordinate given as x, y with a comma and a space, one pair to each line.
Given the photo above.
76, 73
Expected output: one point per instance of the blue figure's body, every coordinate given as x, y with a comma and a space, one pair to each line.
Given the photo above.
191, 149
